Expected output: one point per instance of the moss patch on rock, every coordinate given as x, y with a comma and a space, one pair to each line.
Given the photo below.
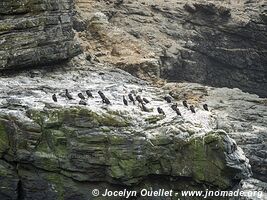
208, 160
57, 182
4, 142
76, 117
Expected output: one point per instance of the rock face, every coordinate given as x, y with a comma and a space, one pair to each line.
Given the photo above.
218, 43
34, 33
62, 150
246, 123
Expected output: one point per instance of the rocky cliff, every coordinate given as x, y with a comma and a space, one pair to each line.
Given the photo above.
63, 150
219, 43
34, 33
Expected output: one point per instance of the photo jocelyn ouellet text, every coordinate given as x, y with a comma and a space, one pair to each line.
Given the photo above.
170, 193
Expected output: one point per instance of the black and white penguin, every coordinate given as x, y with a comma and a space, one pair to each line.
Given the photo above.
131, 98
144, 108
145, 100
54, 97
160, 111
125, 101
101, 94
178, 111
174, 106
68, 95
205, 106
139, 99
168, 99
185, 103
106, 101
80, 95
192, 108
89, 93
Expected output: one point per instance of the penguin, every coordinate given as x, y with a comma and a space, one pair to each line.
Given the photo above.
174, 106
139, 99
168, 99
101, 94
192, 108
82, 102
205, 106
89, 94
145, 100
185, 103
171, 93
233, 147
131, 98
160, 111
68, 95
81, 96
125, 101
103, 97
54, 97
106, 101
144, 108
178, 111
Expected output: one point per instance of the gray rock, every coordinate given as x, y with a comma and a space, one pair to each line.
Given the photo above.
64, 151
34, 34
243, 116
217, 43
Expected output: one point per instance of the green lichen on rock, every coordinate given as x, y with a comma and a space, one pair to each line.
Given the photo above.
116, 171
51, 148
9, 180
130, 167
208, 160
128, 171
76, 145
201, 157
161, 140
5, 27
125, 165
154, 119
47, 161
57, 181
4, 142
57, 142
60, 127
46, 119
76, 117
6, 170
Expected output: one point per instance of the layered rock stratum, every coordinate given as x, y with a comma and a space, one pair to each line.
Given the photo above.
218, 43
61, 147
34, 33
63, 150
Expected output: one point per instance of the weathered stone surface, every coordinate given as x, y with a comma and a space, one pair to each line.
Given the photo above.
218, 43
34, 33
253, 187
241, 115
61, 150
9, 181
